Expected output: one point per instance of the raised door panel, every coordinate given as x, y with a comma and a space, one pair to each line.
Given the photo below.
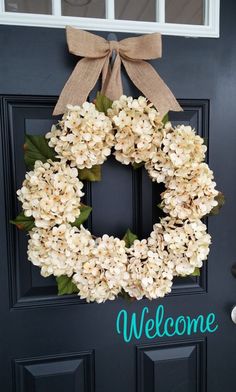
177, 367
72, 372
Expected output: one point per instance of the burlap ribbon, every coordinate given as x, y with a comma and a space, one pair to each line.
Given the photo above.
131, 52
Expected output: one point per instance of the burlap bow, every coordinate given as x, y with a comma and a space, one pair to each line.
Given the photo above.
131, 52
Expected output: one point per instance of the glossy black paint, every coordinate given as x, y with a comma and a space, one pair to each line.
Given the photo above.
60, 343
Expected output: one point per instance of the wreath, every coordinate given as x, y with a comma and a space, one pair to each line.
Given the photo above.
100, 269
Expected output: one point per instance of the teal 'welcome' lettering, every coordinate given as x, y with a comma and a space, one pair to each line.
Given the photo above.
167, 327
211, 318
128, 332
132, 327
180, 320
195, 324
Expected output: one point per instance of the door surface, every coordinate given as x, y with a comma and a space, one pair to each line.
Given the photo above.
50, 343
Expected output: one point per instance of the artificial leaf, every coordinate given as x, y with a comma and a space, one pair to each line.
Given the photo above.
137, 165
196, 272
221, 201
65, 285
129, 238
84, 214
123, 294
165, 118
102, 103
36, 148
23, 222
93, 174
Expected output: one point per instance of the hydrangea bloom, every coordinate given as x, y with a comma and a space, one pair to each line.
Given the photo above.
138, 129
186, 242
101, 271
180, 150
84, 136
56, 250
191, 196
51, 194
174, 248
151, 273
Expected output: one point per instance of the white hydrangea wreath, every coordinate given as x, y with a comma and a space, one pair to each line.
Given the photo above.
101, 268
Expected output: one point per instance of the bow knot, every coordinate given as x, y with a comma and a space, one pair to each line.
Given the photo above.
131, 52
114, 45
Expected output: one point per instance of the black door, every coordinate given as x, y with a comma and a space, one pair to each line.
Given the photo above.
50, 343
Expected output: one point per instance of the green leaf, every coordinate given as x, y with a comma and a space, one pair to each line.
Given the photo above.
220, 198
93, 174
23, 222
84, 214
123, 294
137, 165
165, 119
102, 103
196, 272
129, 238
65, 285
37, 149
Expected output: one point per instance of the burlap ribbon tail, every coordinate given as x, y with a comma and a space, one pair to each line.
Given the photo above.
131, 52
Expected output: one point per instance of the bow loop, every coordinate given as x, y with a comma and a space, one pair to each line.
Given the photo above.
96, 53
84, 44
145, 47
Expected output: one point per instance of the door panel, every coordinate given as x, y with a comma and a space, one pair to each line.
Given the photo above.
177, 367
62, 343
59, 373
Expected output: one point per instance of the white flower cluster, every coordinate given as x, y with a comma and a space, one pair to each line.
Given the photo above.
138, 129
151, 273
174, 248
51, 194
84, 136
181, 150
56, 250
174, 156
192, 196
98, 266
103, 267
101, 271
186, 242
